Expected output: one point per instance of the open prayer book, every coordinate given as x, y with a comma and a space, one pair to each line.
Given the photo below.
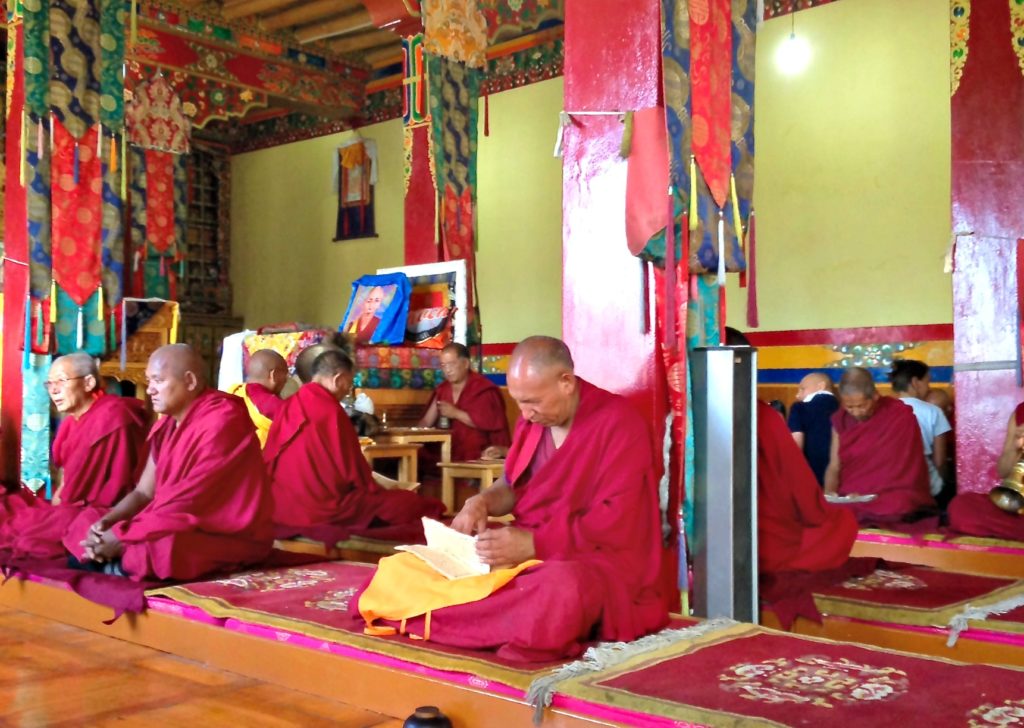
448, 552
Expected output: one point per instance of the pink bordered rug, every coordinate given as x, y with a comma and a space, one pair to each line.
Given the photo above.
313, 602
747, 675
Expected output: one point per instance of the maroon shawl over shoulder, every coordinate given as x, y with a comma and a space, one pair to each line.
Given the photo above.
481, 399
883, 455
268, 403
101, 454
797, 530
595, 502
211, 510
319, 475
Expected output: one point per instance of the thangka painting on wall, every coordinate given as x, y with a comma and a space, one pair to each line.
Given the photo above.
377, 309
357, 175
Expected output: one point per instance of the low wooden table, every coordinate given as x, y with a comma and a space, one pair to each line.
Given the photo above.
405, 453
486, 471
422, 435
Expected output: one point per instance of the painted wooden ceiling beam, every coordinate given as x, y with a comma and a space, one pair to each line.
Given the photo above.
308, 12
364, 41
349, 23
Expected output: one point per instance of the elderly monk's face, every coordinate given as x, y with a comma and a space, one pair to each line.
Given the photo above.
544, 397
171, 391
858, 406
455, 368
71, 393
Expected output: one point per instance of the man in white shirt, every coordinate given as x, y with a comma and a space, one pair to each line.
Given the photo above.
911, 380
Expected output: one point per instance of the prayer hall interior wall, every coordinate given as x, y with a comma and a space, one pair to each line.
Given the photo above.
853, 170
284, 203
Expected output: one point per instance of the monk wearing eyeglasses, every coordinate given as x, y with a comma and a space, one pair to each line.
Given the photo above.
98, 454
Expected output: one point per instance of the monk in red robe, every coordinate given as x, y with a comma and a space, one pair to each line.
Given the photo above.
98, 454
265, 377
318, 472
472, 403
581, 481
797, 530
877, 450
202, 504
974, 514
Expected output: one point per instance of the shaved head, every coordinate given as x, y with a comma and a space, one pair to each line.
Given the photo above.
540, 353
813, 382
857, 380
857, 393
175, 377
941, 399
542, 382
268, 368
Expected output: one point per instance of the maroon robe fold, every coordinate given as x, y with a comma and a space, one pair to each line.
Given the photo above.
883, 455
481, 399
101, 454
319, 475
592, 508
974, 514
797, 529
268, 403
211, 510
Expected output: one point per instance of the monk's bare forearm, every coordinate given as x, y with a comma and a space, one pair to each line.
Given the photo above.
832, 471
127, 507
499, 498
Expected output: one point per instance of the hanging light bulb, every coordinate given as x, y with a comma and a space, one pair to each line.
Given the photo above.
793, 56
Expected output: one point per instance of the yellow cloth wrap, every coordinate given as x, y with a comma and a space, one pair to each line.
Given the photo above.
53, 301
259, 420
694, 216
174, 324
737, 220
405, 587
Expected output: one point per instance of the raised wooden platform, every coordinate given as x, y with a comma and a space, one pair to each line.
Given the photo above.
990, 557
354, 681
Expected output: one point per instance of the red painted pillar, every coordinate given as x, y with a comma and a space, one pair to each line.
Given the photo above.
988, 186
607, 314
15, 274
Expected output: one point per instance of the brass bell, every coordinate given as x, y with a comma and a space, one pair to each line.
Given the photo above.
1009, 496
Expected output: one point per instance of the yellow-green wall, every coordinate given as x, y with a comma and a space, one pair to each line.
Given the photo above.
284, 266
853, 167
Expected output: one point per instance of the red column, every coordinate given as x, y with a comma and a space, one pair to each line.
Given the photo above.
988, 186
607, 315
15, 275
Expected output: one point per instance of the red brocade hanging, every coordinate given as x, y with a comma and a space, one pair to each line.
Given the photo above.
711, 89
77, 189
160, 230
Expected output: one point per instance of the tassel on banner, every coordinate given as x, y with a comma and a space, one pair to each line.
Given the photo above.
39, 138
693, 217
124, 335
80, 334
752, 316
737, 219
53, 300
99, 302
51, 133
39, 325
721, 250
76, 164
26, 362
124, 167
626, 145
670, 273
487, 114
113, 153
174, 325
113, 330
723, 315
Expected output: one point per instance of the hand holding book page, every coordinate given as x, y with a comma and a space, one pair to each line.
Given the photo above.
448, 552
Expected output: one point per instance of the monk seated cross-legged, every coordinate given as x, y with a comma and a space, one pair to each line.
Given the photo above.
974, 514
797, 530
472, 403
319, 475
877, 450
580, 480
265, 377
202, 503
98, 454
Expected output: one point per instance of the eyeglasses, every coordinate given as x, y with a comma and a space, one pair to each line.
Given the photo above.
61, 383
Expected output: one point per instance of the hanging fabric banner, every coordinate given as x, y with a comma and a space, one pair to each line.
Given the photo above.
414, 82
94, 332
75, 49
113, 237
38, 207
77, 214
112, 16
710, 73
454, 103
35, 425
36, 24
160, 202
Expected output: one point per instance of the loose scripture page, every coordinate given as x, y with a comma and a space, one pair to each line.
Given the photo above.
448, 552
